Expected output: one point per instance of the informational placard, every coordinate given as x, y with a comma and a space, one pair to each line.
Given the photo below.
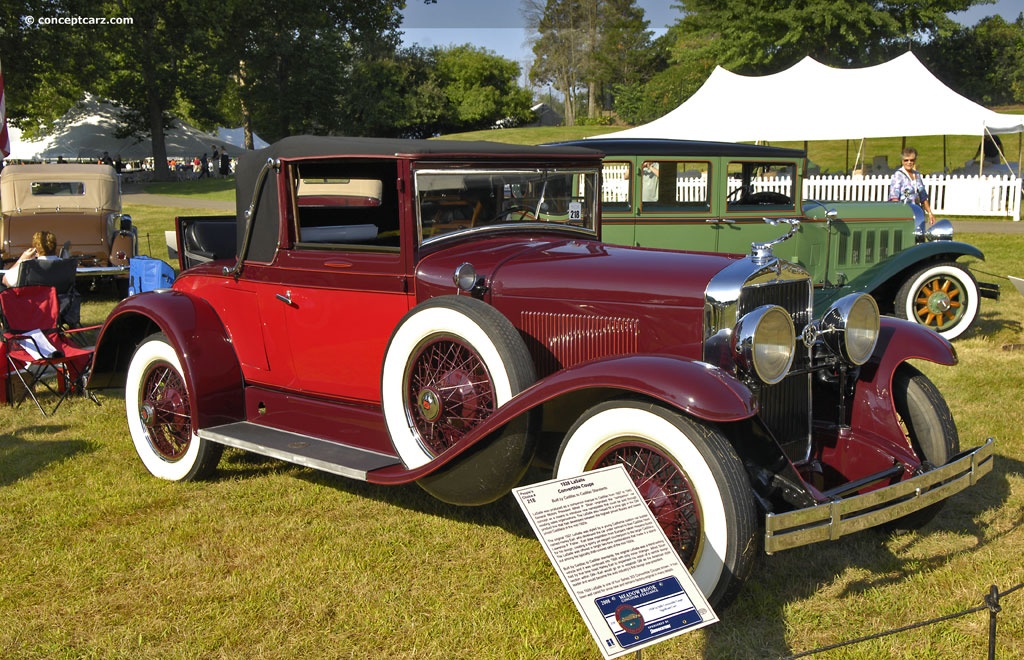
614, 560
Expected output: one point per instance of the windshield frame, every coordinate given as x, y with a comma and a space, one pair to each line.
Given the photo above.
461, 195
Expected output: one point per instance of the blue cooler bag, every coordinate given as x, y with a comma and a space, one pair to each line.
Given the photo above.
147, 273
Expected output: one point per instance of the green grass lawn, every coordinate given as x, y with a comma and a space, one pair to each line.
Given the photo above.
216, 189
271, 560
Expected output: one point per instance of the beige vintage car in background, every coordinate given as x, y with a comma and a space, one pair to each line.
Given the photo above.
81, 205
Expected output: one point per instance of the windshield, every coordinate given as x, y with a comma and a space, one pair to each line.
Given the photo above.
450, 201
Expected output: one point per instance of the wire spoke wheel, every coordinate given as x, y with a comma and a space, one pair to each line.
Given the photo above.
452, 362
448, 392
689, 476
164, 411
158, 406
666, 490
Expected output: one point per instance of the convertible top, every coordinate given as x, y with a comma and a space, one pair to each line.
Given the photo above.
250, 163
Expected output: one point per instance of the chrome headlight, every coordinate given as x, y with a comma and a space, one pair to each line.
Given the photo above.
850, 327
764, 343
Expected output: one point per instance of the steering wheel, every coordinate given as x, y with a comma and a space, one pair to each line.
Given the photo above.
524, 214
769, 197
739, 193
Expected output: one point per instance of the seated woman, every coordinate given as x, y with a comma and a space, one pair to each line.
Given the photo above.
44, 246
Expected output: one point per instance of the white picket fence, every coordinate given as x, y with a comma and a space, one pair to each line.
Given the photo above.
989, 195
951, 195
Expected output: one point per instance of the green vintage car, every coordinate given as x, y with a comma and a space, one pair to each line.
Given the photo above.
726, 197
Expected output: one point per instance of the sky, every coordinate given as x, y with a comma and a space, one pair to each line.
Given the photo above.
497, 26
500, 26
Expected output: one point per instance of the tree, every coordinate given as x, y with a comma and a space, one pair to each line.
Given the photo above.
559, 50
625, 56
588, 46
480, 87
984, 63
159, 59
676, 79
767, 36
42, 82
152, 64
301, 65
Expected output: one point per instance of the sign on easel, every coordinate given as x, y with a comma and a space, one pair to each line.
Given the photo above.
615, 561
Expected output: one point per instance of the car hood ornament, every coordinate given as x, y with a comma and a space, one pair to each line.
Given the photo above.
762, 252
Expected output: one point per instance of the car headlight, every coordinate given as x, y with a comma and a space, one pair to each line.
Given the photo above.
764, 343
850, 327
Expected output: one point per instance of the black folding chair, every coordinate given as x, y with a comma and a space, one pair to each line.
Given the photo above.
60, 274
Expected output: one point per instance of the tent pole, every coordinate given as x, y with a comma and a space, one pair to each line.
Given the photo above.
860, 150
981, 154
1020, 152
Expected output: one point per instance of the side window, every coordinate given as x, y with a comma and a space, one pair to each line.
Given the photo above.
347, 204
615, 191
669, 185
761, 186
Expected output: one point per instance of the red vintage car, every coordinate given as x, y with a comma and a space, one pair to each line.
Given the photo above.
444, 313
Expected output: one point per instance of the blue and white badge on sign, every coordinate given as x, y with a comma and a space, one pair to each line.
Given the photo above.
652, 610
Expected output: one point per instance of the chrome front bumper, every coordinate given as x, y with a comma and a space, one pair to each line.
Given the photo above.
829, 521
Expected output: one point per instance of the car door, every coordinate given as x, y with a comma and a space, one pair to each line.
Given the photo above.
340, 281
756, 190
673, 206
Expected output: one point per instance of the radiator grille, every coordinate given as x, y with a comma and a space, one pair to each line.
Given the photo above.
786, 406
564, 340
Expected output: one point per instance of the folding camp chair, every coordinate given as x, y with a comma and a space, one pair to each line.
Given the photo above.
60, 274
38, 351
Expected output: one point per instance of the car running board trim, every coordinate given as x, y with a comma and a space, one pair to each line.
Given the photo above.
300, 449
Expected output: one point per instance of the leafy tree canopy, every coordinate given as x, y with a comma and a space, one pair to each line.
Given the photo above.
757, 37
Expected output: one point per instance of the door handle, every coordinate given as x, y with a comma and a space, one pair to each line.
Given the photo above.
285, 297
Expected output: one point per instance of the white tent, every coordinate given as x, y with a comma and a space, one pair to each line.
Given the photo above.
90, 128
236, 137
812, 101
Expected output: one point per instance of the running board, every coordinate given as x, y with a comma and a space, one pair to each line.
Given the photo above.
988, 290
300, 449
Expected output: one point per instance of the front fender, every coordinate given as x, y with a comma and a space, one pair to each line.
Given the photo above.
899, 341
882, 273
696, 388
212, 371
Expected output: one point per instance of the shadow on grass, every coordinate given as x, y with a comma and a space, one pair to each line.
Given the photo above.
798, 574
883, 556
988, 325
503, 513
20, 458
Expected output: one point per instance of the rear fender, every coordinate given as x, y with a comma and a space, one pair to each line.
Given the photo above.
889, 274
212, 371
696, 388
123, 246
899, 341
